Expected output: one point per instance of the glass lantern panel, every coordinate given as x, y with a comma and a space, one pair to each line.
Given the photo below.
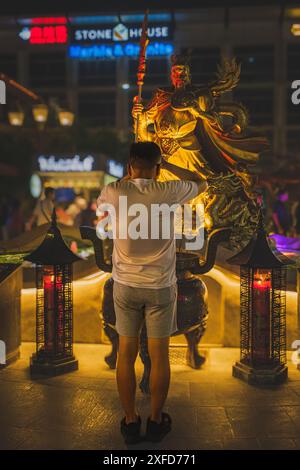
49, 307
53, 309
261, 327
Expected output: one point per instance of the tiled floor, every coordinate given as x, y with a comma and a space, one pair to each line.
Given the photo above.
210, 409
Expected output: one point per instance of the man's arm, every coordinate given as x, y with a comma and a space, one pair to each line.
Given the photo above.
184, 174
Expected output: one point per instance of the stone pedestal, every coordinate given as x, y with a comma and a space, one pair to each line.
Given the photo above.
260, 376
41, 367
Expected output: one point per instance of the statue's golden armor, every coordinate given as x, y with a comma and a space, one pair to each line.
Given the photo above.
195, 131
174, 116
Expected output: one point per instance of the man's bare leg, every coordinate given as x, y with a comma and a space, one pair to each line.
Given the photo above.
128, 349
159, 375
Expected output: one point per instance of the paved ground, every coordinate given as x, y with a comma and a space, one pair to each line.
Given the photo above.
210, 409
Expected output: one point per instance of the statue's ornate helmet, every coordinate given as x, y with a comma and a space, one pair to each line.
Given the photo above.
183, 62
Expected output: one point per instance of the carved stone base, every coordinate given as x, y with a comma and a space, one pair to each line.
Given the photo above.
254, 376
56, 367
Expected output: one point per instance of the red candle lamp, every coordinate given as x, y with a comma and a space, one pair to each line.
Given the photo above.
54, 305
262, 311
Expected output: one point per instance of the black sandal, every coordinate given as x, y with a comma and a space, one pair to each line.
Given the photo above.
131, 431
157, 431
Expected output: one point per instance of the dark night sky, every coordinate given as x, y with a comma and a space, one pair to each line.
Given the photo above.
40, 7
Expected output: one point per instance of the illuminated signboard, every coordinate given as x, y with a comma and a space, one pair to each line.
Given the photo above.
57, 31
45, 31
50, 34
43, 20
119, 33
115, 168
74, 163
49, 20
112, 51
35, 185
113, 41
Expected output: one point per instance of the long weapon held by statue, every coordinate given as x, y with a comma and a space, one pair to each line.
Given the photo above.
141, 67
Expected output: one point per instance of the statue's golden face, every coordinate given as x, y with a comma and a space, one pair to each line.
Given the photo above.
180, 75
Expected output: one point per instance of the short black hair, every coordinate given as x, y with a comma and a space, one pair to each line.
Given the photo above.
49, 190
144, 155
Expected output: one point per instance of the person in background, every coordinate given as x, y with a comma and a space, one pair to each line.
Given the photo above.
62, 216
88, 216
281, 213
75, 208
43, 209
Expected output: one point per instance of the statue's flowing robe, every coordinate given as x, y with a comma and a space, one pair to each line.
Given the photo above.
197, 139
188, 127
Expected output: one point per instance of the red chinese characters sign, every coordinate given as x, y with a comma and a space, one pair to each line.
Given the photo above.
52, 34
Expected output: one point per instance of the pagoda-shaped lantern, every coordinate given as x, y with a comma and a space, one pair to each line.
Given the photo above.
54, 305
263, 312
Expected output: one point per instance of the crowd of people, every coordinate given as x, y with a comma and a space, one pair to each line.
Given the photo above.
78, 212
13, 219
282, 214
285, 215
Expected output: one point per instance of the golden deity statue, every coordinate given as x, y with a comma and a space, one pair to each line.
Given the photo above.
196, 130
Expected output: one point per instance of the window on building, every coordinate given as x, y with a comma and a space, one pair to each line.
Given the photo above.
157, 71
259, 103
97, 72
97, 109
257, 63
47, 70
203, 63
293, 143
293, 62
8, 65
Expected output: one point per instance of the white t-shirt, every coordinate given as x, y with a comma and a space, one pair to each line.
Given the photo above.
150, 261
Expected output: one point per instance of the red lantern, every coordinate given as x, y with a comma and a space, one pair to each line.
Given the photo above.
263, 312
261, 321
54, 306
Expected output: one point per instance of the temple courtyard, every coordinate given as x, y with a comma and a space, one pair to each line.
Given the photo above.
210, 408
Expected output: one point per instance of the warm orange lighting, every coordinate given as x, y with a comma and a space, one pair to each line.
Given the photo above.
40, 113
293, 12
16, 118
262, 280
295, 29
66, 118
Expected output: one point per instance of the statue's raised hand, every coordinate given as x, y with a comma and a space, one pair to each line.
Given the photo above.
137, 108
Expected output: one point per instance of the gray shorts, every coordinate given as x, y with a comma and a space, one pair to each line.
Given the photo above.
134, 305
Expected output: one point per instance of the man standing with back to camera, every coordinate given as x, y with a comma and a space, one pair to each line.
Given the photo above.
145, 286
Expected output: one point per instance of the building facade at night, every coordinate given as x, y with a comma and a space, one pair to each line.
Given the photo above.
88, 63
